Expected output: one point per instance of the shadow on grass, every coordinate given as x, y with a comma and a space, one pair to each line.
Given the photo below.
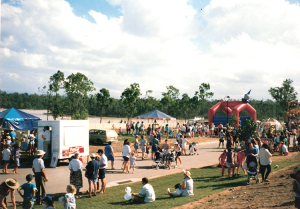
222, 186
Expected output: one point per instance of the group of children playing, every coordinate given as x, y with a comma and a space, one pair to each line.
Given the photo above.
29, 189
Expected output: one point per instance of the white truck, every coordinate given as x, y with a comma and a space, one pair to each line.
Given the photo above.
66, 136
197, 119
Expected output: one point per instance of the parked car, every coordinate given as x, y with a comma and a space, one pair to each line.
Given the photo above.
101, 136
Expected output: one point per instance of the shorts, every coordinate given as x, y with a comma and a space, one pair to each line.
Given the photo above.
229, 165
27, 204
297, 202
6, 161
183, 146
126, 159
154, 149
221, 140
91, 181
17, 161
143, 149
178, 154
136, 145
102, 173
110, 158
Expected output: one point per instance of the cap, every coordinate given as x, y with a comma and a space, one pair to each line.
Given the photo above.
29, 177
93, 155
175, 142
47, 199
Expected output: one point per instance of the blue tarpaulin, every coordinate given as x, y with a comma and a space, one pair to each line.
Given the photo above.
18, 119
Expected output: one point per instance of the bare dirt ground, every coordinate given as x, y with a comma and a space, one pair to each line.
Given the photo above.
278, 193
118, 146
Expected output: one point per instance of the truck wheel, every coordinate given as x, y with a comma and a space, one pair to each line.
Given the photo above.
99, 141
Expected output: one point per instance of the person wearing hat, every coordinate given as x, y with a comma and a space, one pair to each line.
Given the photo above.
12, 134
75, 167
296, 187
91, 173
187, 184
29, 192
8, 186
102, 171
49, 202
38, 169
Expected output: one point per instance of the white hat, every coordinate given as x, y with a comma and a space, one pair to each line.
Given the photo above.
93, 155
40, 152
175, 142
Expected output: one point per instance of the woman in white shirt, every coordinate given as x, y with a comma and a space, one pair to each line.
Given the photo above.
126, 155
265, 162
75, 167
186, 188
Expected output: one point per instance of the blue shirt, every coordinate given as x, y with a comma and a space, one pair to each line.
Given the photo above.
12, 134
107, 151
92, 169
28, 189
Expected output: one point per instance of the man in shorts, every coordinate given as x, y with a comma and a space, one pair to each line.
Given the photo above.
221, 140
91, 174
102, 170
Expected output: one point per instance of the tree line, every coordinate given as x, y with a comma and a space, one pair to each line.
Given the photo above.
71, 96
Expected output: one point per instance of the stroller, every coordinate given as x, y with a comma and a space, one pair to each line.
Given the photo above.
159, 160
171, 158
193, 149
252, 172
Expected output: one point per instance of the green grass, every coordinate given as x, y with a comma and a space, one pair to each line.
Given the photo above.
207, 180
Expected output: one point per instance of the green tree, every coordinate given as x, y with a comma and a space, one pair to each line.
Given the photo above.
185, 105
233, 120
203, 94
170, 99
129, 98
247, 130
103, 99
284, 94
55, 84
77, 86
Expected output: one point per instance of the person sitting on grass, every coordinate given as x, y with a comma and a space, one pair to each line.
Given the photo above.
177, 192
187, 185
147, 193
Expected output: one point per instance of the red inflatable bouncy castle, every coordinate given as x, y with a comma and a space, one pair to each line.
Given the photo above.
237, 107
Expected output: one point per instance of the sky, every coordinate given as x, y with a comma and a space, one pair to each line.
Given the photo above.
233, 45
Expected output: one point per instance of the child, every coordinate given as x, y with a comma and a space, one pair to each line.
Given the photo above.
240, 160
222, 161
170, 159
230, 162
31, 144
120, 131
221, 140
48, 202
296, 187
69, 199
132, 161
178, 191
17, 159
271, 143
147, 149
6, 157
29, 192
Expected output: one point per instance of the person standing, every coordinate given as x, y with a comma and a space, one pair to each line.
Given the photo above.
91, 173
143, 143
102, 170
29, 192
47, 141
75, 167
6, 157
6, 187
137, 128
142, 128
38, 169
184, 143
265, 162
12, 133
128, 128
132, 128
230, 162
109, 153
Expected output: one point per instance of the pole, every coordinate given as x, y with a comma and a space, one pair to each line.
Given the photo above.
227, 112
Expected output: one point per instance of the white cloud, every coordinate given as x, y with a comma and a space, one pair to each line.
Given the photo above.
252, 45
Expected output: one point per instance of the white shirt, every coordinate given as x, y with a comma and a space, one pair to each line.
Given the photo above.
284, 149
183, 128
147, 191
177, 192
75, 165
38, 165
71, 204
184, 142
103, 160
46, 135
6, 154
264, 156
189, 187
126, 151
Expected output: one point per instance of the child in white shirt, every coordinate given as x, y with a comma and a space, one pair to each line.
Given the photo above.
132, 161
6, 157
69, 198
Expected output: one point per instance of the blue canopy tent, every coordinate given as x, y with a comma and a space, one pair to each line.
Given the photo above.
18, 119
156, 114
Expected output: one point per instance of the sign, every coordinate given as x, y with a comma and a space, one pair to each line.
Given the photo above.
73, 150
54, 160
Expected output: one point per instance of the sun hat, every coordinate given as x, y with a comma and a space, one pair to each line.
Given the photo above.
29, 177
175, 142
187, 173
40, 152
12, 183
93, 155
